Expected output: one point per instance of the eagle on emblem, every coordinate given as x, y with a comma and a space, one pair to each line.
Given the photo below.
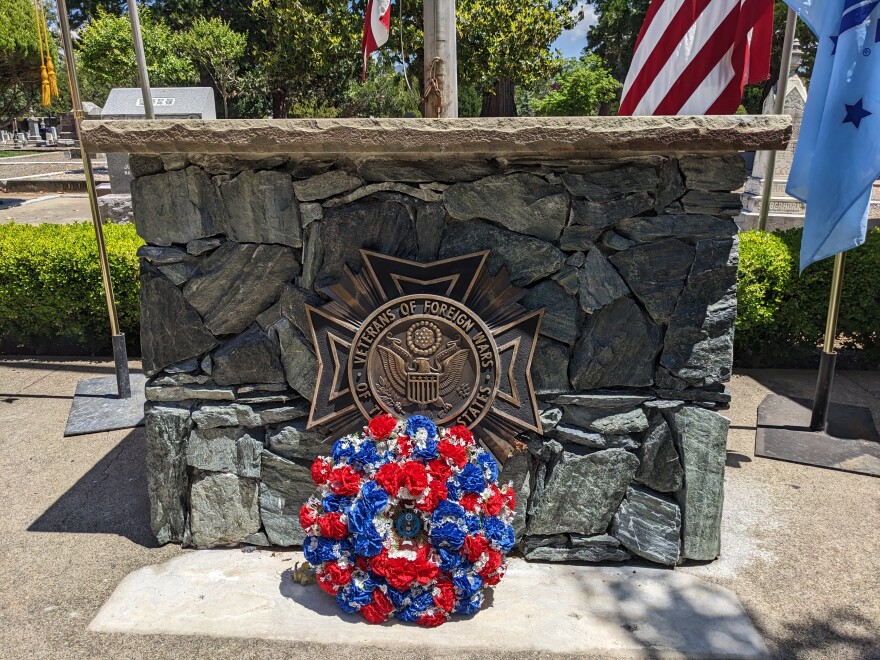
423, 380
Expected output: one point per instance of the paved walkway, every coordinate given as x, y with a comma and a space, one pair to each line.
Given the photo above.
801, 547
37, 209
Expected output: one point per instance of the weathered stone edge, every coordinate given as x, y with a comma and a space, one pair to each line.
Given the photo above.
546, 137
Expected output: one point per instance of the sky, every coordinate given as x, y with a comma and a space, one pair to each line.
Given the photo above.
572, 42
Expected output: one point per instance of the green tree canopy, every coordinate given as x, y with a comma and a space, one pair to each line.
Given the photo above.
105, 55
19, 56
217, 49
582, 86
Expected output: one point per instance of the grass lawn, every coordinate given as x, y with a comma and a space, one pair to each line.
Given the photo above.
15, 152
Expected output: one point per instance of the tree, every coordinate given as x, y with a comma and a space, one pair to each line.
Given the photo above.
217, 49
582, 86
19, 56
309, 49
106, 59
613, 37
383, 94
502, 44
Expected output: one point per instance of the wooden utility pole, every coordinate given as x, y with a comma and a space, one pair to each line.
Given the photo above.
441, 59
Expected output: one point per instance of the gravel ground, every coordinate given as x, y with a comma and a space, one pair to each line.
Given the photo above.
800, 544
47, 163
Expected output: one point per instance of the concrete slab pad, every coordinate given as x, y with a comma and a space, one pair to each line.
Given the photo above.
97, 407
594, 611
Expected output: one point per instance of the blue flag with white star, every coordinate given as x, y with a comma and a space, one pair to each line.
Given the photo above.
837, 158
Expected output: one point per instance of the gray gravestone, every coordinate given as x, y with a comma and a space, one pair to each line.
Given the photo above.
168, 103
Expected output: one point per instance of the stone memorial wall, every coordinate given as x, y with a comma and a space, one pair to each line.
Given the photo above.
622, 231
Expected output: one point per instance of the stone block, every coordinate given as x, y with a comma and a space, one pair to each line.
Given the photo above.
561, 316
701, 439
698, 347
239, 414
237, 282
115, 209
167, 429
424, 171
598, 551
430, 221
527, 259
722, 172
598, 216
294, 441
599, 283
517, 471
260, 208
649, 525
298, 358
171, 329
322, 186
189, 393
656, 273
550, 367
225, 450
692, 227
715, 203
285, 487
175, 207
593, 440
612, 184
659, 466
618, 347
583, 492
251, 357
224, 509
526, 204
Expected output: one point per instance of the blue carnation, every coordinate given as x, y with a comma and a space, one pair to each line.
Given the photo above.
449, 559
473, 523
342, 448
428, 452
488, 464
452, 491
353, 596
374, 498
325, 549
360, 518
470, 605
366, 454
416, 422
416, 607
469, 583
471, 479
333, 503
368, 543
500, 532
447, 509
447, 535
396, 596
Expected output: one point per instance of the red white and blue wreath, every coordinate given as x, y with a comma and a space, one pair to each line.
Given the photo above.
409, 522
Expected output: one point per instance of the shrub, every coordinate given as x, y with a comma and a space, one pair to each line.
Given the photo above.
51, 295
781, 318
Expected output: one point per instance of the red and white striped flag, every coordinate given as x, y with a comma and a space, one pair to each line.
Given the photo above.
377, 25
693, 57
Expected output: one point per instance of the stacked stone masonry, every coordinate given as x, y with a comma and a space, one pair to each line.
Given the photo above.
633, 259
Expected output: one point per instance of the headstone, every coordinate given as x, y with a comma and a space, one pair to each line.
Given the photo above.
33, 130
4, 136
68, 128
168, 103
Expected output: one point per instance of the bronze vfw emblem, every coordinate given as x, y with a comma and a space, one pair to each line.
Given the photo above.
445, 339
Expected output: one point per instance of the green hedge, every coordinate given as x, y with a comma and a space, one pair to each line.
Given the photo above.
51, 297
781, 318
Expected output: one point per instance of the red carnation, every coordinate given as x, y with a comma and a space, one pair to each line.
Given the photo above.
474, 546
439, 470
320, 471
455, 453
445, 600
400, 573
379, 609
425, 569
344, 480
380, 427
469, 501
327, 586
307, 516
491, 567
495, 502
331, 526
431, 620
461, 433
404, 446
510, 497
337, 575
362, 563
414, 477
436, 491
388, 477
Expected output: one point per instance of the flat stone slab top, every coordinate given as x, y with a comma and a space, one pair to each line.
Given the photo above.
96, 406
473, 137
596, 611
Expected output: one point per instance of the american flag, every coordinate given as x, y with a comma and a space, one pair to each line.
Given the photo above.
693, 57
377, 25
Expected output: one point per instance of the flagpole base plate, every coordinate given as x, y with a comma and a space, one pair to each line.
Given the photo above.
98, 407
850, 441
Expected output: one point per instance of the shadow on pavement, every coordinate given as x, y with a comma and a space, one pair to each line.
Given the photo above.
845, 632
111, 498
82, 364
735, 460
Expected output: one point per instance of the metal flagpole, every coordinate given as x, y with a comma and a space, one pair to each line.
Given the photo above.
441, 59
781, 90
143, 76
822, 399
120, 353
